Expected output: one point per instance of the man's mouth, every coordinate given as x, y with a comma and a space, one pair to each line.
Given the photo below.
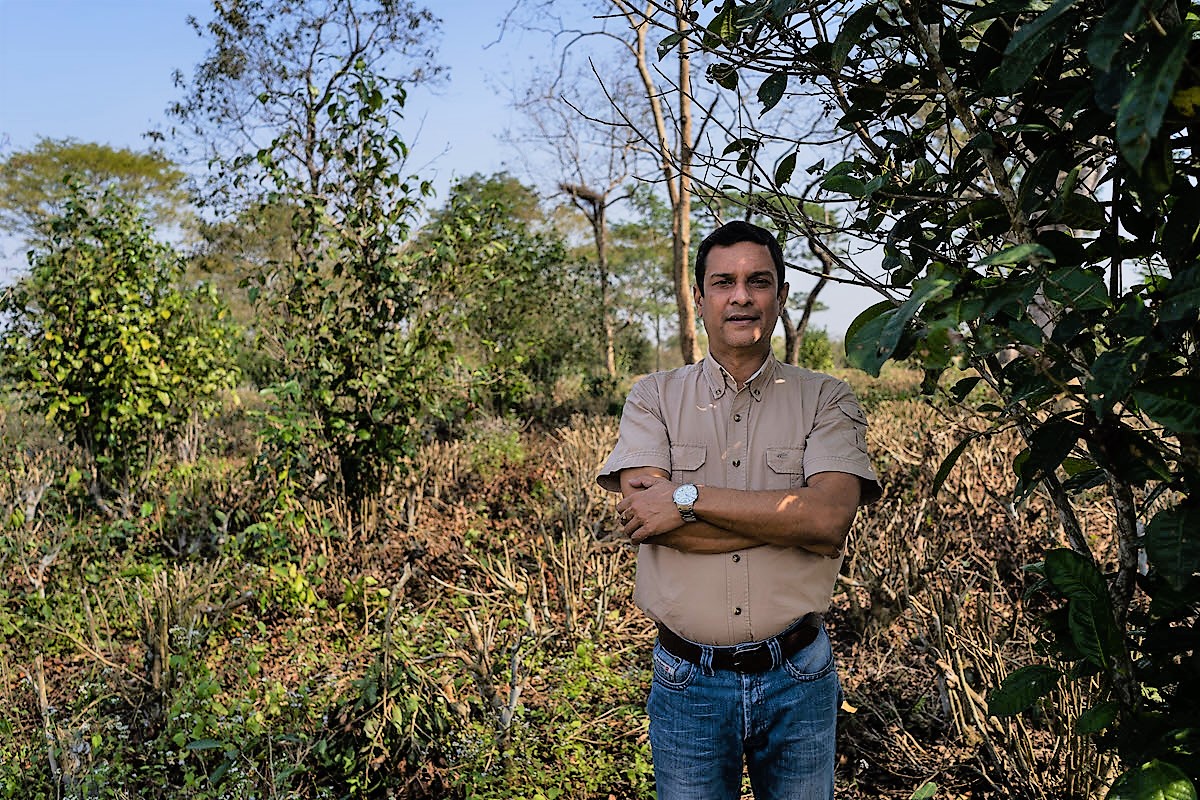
741, 318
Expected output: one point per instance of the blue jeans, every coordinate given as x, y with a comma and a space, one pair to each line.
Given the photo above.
783, 722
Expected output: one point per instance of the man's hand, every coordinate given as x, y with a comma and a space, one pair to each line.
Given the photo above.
648, 508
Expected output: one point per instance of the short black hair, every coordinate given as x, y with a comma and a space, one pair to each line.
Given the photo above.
732, 233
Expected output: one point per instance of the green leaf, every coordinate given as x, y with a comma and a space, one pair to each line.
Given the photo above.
1107, 37
1156, 780
725, 75
1113, 375
1076, 288
785, 168
669, 42
948, 464
722, 28
1173, 544
1094, 631
203, 744
1021, 689
925, 791
1171, 402
862, 338
771, 90
1074, 575
1048, 446
851, 31
1144, 104
845, 184
1096, 718
1018, 254
964, 387
1027, 49
1081, 212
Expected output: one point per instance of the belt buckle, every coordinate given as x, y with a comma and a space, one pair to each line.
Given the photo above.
743, 653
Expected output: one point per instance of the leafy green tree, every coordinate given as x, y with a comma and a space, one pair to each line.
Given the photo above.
297, 108
1031, 172
34, 191
102, 339
523, 310
349, 316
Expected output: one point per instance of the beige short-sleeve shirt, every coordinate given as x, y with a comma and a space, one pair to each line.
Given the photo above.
784, 426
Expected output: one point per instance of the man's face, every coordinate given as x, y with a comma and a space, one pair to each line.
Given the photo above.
741, 299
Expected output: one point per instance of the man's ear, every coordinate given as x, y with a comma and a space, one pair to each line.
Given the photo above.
697, 296
783, 294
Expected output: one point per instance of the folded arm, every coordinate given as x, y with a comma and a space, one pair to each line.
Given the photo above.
815, 517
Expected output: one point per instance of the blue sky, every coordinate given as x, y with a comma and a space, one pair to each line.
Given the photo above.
101, 70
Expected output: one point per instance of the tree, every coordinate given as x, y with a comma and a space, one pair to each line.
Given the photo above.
297, 106
349, 314
104, 342
520, 309
34, 191
1032, 174
273, 71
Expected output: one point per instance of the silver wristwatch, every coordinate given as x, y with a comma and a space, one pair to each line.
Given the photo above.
685, 498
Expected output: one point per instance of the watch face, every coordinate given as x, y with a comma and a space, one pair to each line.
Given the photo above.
685, 495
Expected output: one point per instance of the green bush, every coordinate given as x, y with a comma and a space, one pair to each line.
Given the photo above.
105, 344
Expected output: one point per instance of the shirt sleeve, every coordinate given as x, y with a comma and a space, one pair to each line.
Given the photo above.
838, 440
643, 440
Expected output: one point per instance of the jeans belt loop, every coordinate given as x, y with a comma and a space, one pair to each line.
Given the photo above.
776, 651
706, 661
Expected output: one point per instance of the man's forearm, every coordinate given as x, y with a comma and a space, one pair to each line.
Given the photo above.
703, 539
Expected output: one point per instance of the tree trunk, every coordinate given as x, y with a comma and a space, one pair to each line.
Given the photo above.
594, 205
682, 229
676, 166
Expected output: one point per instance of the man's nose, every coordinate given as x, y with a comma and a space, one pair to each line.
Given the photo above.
741, 292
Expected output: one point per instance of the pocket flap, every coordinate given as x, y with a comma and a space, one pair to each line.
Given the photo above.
852, 410
786, 460
687, 457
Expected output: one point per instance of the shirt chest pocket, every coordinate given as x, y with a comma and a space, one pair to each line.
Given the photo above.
785, 467
686, 462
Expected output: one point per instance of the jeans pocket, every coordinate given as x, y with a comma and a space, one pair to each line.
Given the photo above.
671, 671
813, 662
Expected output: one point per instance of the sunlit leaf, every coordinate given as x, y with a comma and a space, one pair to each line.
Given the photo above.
1156, 780
1018, 254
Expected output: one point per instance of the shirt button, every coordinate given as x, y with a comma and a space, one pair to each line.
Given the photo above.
736, 558
737, 417
737, 463
737, 612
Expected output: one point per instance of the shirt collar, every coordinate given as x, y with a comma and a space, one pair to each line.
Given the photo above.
719, 380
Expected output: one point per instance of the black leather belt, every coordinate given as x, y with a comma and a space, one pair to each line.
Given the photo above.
748, 657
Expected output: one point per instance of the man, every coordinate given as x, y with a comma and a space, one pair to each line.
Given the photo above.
740, 478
